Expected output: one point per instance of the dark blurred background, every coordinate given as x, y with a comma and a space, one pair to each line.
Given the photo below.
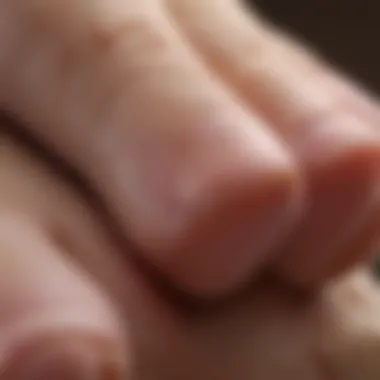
346, 31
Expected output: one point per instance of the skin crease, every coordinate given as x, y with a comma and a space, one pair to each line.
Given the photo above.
220, 145
240, 164
267, 332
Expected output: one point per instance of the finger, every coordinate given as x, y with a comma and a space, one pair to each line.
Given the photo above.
359, 250
53, 322
203, 188
53, 318
337, 146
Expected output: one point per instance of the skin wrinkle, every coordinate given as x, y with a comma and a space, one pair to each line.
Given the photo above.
266, 319
118, 75
266, 331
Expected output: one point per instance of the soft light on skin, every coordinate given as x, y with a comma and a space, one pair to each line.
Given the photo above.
74, 302
200, 134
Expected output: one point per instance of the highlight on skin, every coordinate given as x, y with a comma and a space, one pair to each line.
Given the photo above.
220, 145
76, 306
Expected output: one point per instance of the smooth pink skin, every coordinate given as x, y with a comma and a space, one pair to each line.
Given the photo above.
220, 145
76, 302
51, 309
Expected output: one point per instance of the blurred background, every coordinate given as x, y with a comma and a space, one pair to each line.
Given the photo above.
346, 31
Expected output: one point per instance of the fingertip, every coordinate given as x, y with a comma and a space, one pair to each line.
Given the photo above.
66, 355
241, 215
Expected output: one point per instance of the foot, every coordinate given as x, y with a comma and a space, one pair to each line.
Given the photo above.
220, 145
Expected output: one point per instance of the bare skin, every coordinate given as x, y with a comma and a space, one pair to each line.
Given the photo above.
75, 305
221, 146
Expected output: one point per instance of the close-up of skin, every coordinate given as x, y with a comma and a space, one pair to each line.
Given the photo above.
76, 306
219, 144
186, 192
